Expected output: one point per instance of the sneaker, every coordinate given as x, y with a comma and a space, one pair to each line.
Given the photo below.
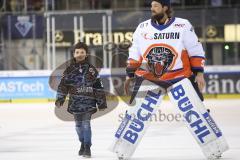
87, 151
81, 151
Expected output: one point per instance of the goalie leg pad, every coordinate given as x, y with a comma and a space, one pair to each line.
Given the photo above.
198, 120
137, 120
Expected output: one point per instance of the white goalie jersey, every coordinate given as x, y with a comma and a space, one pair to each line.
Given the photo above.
175, 44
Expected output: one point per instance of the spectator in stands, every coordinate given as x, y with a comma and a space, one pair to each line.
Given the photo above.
216, 3
94, 4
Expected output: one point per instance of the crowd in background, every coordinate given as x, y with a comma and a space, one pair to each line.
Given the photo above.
43, 5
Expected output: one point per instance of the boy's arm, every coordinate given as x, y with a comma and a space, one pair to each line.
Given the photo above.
62, 92
100, 94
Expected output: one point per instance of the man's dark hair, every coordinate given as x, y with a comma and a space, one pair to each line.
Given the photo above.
169, 12
164, 2
80, 45
167, 3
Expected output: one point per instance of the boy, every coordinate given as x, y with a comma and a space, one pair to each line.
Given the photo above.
81, 81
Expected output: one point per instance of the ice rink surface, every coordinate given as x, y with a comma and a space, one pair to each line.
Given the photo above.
33, 132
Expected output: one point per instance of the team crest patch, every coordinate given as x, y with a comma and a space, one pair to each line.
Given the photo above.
23, 25
159, 59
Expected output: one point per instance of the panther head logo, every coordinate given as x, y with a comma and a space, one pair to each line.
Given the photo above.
159, 59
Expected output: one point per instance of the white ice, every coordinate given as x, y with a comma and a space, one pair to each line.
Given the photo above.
32, 131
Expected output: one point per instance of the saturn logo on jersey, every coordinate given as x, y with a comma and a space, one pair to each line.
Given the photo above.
159, 59
147, 36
